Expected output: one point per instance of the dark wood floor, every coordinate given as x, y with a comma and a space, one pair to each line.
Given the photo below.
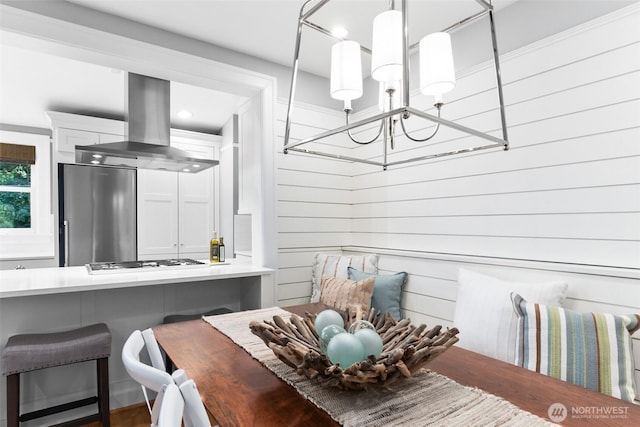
132, 416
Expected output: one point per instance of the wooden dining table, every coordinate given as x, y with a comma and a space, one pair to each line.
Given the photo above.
238, 390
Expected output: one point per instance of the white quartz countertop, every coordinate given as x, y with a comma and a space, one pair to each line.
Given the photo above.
42, 281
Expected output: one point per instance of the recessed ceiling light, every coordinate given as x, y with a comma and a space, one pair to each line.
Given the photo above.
96, 156
184, 114
186, 170
195, 166
340, 32
95, 162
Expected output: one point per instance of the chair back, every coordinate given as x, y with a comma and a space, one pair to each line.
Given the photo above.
195, 414
168, 407
145, 375
156, 378
153, 349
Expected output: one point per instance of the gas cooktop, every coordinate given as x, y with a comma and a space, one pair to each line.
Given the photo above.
134, 266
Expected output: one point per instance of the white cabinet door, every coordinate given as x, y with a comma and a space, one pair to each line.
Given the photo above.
195, 213
196, 196
176, 211
157, 214
175, 214
67, 139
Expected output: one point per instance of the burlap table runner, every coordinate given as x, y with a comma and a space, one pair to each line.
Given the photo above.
425, 399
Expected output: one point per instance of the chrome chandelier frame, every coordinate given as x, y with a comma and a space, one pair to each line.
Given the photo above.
405, 111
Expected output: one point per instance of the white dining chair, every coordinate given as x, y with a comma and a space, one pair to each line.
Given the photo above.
147, 376
195, 413
168, 408
154, 377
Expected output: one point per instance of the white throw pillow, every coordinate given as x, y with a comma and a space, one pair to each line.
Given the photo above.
337, 265
484, 312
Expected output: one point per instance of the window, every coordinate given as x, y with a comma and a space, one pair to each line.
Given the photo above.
26, 223
15, 195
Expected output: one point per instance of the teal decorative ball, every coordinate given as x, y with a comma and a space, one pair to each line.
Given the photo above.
371, 342
360, 324
326, 318
327, 334
345, 350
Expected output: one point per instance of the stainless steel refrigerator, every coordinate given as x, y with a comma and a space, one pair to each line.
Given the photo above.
97, 214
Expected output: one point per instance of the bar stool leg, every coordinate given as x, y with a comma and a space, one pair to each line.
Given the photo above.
13, 400
103, 391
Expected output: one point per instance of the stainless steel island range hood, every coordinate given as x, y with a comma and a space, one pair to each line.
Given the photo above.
147, 131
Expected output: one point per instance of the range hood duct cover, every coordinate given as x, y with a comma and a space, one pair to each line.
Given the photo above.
147, 125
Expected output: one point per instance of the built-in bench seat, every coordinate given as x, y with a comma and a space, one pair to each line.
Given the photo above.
431, 292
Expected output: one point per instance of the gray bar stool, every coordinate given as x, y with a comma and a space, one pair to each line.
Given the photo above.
30, 352
174, 318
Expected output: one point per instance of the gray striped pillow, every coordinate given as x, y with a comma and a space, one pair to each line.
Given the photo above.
592, 350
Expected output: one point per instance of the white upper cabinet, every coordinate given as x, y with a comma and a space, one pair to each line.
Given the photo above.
67, 139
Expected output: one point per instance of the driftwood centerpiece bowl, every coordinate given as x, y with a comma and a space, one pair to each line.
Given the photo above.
406, 349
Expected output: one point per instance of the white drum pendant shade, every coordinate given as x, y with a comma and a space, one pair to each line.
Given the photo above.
437, 74
386, 47
346, 71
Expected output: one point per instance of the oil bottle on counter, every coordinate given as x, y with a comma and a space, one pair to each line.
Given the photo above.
221, 254
214, 248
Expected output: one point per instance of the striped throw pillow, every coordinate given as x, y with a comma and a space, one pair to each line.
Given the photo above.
592, 350
337, 265
342, 293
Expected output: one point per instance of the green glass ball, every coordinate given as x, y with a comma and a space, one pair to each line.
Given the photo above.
360, 324
326, 318
327, 334
345, 350
371, 342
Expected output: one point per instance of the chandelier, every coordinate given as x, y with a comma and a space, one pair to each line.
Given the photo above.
390, 52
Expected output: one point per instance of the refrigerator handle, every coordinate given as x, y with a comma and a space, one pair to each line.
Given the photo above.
65, 224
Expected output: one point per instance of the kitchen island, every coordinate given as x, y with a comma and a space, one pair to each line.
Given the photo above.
43, 281
54, 299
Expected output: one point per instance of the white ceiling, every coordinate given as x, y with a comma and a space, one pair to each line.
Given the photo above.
267, 28
33, 82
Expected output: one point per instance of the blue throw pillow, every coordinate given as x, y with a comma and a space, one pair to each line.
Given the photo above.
387, 290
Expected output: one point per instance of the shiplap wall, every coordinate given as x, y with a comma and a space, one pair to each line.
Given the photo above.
314, 206
566, 191
563, 202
